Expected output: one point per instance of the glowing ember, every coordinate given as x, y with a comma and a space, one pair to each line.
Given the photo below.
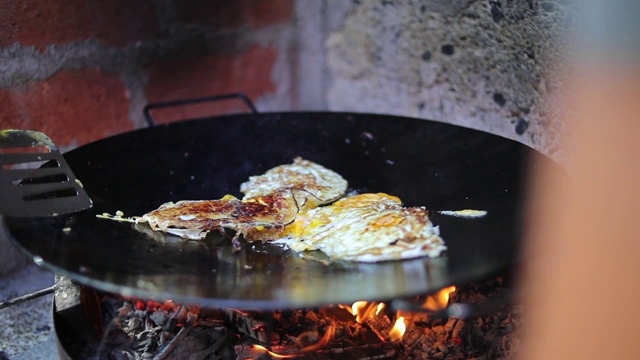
439, 300
398, 329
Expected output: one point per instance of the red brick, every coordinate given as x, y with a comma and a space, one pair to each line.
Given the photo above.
223, 14
72, 107
118, 22
7, 23
180, 78
42, 23
263, 13
10, 115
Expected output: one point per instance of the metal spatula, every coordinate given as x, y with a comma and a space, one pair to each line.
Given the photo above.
35, 180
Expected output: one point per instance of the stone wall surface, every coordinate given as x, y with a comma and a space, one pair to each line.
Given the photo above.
488, 65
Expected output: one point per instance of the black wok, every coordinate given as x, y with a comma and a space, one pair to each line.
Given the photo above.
425, 163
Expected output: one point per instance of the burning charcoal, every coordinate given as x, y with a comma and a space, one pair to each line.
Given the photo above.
412, 336
443, 348
451, 323
307, 338
342, 330
430, 334
458, 329
311, 316
421, 319
438, 330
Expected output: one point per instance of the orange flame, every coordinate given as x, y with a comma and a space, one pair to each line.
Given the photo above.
328, 335
358, 309
364, 309
439, 300
398, 329
379, 308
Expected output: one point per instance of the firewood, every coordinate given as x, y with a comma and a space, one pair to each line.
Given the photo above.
380, 325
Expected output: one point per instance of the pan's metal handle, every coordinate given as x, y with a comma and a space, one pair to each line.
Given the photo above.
175, 103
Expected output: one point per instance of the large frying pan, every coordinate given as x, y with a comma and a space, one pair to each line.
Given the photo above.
436, 165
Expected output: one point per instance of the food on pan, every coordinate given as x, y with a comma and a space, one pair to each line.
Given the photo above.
271, 201
194, 219
313, 184
365, 228
302, 205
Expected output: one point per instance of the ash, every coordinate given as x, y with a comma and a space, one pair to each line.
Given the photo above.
133, 329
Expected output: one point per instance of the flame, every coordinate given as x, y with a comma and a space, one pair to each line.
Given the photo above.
328, 335
439, 300
274, 355
358, 309
398, 329
379, 308
363, 309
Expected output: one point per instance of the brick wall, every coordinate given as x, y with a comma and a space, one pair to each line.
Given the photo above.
82, 70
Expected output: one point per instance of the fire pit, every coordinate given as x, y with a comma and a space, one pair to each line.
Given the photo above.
108, 326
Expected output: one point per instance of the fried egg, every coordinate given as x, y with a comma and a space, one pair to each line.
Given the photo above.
315, 184
271, 201
194, 219
302, 206
365, 228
